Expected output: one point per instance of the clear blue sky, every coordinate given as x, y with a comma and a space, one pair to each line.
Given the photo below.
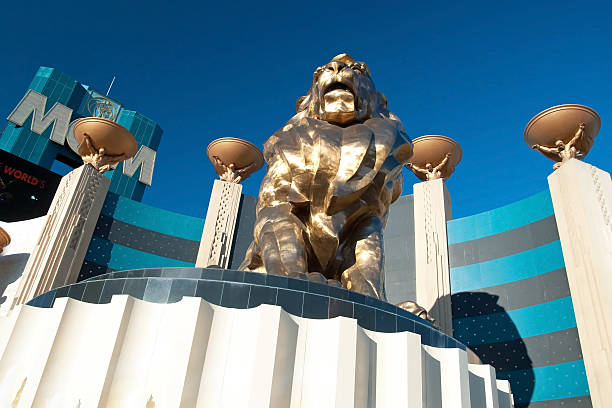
474, 71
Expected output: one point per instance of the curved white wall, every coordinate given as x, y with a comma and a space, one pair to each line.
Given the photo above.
128, 353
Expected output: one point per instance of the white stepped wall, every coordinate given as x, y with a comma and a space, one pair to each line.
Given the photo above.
504, 394
131, 353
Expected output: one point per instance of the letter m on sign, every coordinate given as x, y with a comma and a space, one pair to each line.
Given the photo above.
33, 104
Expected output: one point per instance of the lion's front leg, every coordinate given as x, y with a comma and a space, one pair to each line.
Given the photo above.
280, 238
278, 248
366, 274
279, 233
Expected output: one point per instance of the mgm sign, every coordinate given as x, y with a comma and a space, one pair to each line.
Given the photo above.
58, 118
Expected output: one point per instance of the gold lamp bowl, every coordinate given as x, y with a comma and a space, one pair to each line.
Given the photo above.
5, 239
115, 139
561, 123
433, 149
240, 153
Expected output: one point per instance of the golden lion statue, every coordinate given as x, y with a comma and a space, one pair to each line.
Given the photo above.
333, 170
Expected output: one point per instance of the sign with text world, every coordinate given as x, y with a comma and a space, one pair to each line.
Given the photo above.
26, 190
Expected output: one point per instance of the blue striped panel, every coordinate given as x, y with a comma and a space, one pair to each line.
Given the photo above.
119, 257
514, 324
501, 219
554, 382
545, 258
152, 218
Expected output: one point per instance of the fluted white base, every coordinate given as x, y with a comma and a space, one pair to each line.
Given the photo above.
130, 353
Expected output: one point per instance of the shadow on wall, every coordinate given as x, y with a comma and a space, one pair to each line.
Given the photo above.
11, 269
483, 325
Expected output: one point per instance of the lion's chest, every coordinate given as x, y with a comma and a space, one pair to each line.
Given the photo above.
328, 162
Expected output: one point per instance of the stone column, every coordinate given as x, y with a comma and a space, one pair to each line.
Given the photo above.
218, 233
582, 199
432, 208
60, 250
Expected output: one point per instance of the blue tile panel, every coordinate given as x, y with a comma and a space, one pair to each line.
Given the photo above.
515, 324
555, 382
511, 301
239, 289
505, 243
90, 269
131, 235
571, 402
516, 295
530, 352
533, 262
501, 219
145, 240
116, 256
152, 218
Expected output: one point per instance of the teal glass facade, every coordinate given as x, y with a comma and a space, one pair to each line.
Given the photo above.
39, 149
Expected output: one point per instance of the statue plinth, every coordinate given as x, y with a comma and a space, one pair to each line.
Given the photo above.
435, 156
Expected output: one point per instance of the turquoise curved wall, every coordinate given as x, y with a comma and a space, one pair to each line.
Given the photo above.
133, 235
130, 235
512, 304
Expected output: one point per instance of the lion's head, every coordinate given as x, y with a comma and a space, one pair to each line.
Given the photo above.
342, 92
